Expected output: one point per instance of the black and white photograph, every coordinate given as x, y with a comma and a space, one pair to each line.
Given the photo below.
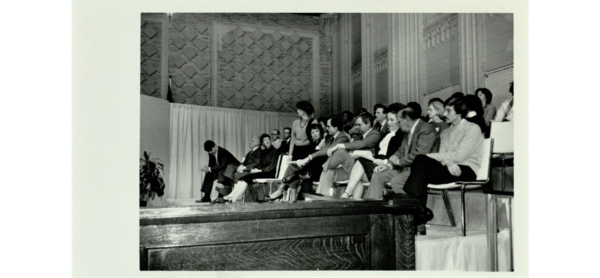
300, 138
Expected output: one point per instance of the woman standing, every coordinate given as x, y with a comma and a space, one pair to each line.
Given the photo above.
300, 143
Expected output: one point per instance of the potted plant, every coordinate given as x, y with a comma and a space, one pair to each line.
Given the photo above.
151, 181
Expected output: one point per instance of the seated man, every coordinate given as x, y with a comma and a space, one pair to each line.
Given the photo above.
313, 164
339, 156
235, 172
276, 141
218, 160
419, 138
285, 143
459, 156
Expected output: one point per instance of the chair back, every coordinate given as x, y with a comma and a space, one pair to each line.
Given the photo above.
282, 165
502, 132
483, 174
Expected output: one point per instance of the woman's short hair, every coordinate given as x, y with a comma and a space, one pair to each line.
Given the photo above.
317, 127
438, 104
306, 107
486, 93
459, 105
263, 136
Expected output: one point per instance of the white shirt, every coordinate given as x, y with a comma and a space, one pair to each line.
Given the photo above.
503, 113
384, 144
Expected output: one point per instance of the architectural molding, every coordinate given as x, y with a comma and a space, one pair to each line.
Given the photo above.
357, 74
441, 31
381, 60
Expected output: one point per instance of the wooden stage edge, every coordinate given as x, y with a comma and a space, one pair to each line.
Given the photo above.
321, 234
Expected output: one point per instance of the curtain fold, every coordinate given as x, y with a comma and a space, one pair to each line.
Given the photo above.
231, 129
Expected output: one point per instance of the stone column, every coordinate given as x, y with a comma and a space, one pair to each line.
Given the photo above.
368, 63
471, 52
346, 62
404, 71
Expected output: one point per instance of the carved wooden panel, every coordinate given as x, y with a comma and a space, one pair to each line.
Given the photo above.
264, 68
327, 253
151, 46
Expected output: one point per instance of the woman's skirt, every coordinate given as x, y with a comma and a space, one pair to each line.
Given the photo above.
301, 152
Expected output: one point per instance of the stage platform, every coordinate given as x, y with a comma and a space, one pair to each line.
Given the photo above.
443, 247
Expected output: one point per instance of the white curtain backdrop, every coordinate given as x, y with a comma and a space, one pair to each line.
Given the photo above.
192, 125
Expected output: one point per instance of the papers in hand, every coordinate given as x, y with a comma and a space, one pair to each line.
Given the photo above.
364, 154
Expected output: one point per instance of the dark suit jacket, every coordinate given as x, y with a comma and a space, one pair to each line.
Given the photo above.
424, 140
217, 170
268, 161
285, 146
383, 129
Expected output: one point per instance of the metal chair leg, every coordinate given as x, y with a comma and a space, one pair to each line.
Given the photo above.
464, 212
448, 207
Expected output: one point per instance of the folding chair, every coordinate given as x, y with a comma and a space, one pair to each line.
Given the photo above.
282, 165
339, 186
483, 176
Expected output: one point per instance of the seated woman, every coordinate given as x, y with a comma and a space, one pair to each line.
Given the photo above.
309, 172
475, 113
489, 110
389, 143
434, 113
266, 169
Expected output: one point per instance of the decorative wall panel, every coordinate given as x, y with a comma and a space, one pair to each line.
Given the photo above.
151, 46
442, 52
265, 68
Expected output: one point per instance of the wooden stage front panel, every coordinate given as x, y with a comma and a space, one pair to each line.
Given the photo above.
316, 235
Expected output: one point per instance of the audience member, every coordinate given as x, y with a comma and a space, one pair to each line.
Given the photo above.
276, 142
348, 119
420, 137
362, 110
303, 172
475, 113
489, 110
505, 112
250, 161
459, 157
457, 94
285, 144
265, 169
218, 160
340, 163
380, 112
388, 144
435, 112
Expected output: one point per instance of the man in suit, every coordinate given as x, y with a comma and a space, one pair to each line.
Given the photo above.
419, 138
251, 160
218, 160
380, 111
340, 163
285, 144
276, 141
335, 126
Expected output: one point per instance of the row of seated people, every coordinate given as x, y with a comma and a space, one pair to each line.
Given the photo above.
406, 150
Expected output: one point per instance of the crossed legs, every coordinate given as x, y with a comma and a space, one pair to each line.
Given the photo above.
355, 187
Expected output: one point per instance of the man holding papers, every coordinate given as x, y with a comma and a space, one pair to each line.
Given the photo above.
339, 165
